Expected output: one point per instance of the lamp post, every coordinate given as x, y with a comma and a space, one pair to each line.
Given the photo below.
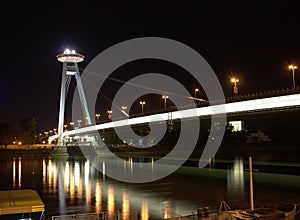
109, 112
97, 118
165, 97
124, 108
79, 122
142, 104
293, 68
196, 90
72, 124
235, 88
65, 126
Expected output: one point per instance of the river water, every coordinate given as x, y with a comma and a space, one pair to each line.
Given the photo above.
71, 185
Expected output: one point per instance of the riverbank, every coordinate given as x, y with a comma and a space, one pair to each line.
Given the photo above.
269, 151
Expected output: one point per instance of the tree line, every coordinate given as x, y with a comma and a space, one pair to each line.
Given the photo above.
25, 132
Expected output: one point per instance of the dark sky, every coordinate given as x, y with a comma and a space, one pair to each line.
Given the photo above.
255, 40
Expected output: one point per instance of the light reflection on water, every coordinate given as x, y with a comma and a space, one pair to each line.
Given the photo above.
78, 188
235, 179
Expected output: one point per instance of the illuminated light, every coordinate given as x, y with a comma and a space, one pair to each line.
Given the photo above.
234, 80
292, 67
20, 173
73, 52
14, 173
110, 201
125, 206
236, 125
234, 107
98, 197
235, 178
103, 168
67, 51
67, 177
54, 177
144, 211
88, 195
44, 171
49, 172
19, 143
70, 73
72, 188
77, 174
86, 172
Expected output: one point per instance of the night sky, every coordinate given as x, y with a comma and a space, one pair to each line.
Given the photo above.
254, 40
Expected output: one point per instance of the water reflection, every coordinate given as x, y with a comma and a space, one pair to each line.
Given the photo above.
14, 173
144, 211
235, 179
125, 206
98, 197
75, 186
110, 201
17, 173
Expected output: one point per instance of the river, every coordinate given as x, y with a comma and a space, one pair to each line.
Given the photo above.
70, 185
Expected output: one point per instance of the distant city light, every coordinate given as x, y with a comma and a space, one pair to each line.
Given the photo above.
237, 125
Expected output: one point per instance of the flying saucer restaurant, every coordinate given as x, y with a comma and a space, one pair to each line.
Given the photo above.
21, 204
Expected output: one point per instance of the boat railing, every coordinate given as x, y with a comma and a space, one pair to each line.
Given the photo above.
133, 215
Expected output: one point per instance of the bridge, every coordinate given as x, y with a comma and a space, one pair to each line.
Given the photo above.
239, 104
278, 100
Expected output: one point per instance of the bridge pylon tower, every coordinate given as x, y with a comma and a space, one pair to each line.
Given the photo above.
70, 60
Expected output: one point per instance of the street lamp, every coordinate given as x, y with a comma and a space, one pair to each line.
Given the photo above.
79, 121
235, 88
124, 108
142, 103
65, 126
97, 116
72, 124
109, 112
196, 90
165, 97
293, 68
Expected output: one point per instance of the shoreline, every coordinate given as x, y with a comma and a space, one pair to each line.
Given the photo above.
277, 152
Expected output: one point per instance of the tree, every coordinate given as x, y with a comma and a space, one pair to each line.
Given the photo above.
28, 131
6, 134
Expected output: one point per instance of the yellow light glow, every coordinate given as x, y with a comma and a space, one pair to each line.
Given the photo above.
125, 206
14, 173
67, 177
20, 173
98, 197
234, 80
110, 201
144, 211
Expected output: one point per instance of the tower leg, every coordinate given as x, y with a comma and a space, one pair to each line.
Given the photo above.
85, 110
61, 116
